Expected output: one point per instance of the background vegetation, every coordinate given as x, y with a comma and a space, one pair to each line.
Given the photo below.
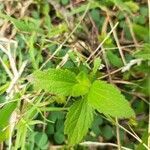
109, 38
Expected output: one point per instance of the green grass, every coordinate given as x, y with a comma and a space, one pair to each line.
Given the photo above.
108, 40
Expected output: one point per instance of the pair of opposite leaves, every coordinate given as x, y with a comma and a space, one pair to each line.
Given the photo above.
97, 95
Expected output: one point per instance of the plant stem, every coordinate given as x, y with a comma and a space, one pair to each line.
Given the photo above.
117, 41
97, 144
149, 83
118, 134
135, 136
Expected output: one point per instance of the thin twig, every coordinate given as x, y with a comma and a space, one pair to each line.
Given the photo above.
123, 82
4, 50
100, 45
137, 95
113, 72
118, 134
137, 138
10, 57
6, 69
12, 61
15, 79
117, 42
122, 47
97, 144
131, 30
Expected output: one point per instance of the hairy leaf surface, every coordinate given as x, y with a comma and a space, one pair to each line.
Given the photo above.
108, 100
61, 82
56, 81
79, 119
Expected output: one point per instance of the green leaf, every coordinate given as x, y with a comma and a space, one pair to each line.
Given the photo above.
120, 4
79, 120
107, 99
5, 114
144, 86
143, 53
141, 32
114, 59
132, 5
41, 139
144, 11
61, 82
4, 87
97, 66
97, 63
59, 137
4, 134
98, 121
50, 129
55, 81
24, 25
59, 126
95, 15
57, 30
64, 2
82, 8
107, 132
83, 85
